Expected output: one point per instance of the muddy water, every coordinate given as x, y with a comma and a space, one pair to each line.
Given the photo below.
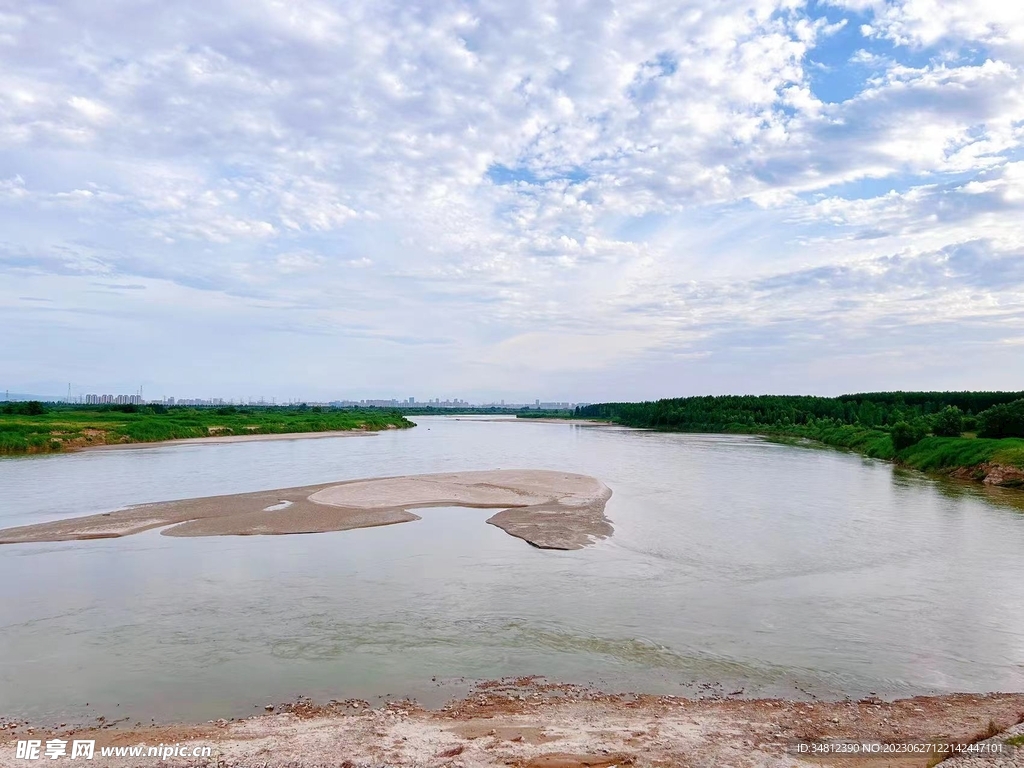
736, 564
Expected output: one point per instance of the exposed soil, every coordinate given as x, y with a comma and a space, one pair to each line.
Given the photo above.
218, 438
526, 723
989, 473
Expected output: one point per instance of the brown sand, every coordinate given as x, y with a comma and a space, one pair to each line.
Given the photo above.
529, 724
230, 439
551, 510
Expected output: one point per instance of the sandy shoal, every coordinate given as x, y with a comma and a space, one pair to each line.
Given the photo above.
227, 439
534, 725
551, 510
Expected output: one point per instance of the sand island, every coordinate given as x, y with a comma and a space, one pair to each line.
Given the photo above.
548, 509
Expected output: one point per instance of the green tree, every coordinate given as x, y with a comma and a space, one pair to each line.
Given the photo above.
949, 422
1006, 420
905, 434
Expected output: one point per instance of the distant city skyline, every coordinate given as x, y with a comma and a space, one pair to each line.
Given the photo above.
91, 398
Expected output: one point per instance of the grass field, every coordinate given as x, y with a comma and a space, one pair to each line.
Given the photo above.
70, 427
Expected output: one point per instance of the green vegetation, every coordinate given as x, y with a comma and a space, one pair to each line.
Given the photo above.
536, 413
883, 425
905, 434
725, 413
949, 422
35, 428
934, 454
1005, 420
469, 410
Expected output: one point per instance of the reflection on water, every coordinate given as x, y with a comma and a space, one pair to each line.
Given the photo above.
762, 566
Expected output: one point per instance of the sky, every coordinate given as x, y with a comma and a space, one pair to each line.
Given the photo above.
549, 199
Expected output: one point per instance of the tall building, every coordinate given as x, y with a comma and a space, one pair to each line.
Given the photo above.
113, 399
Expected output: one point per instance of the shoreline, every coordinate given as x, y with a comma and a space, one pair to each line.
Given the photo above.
553, 420
66, 428
531, 723
226, 439
990, 473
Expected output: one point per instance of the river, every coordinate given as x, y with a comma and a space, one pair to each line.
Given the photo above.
736, 564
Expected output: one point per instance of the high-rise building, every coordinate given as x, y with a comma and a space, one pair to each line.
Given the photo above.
113, 399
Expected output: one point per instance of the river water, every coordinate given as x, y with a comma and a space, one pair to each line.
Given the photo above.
736, 562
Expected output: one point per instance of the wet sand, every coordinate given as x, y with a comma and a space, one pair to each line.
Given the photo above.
229, 439
550, 510
530, 724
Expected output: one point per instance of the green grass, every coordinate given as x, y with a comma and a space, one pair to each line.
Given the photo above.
875, 443
61, 428
942, 453
933, 454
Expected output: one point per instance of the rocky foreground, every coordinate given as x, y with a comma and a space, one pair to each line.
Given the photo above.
528, 724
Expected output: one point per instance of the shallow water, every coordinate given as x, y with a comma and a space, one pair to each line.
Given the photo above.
776, 569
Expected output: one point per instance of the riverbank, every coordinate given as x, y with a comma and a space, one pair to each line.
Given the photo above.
531, 724
992, 462
520, 419
233, 439
927, 431
68, 428
550, 510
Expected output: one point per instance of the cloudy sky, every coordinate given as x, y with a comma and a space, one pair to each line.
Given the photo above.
494, 199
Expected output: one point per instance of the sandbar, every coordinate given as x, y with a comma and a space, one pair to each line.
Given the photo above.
548, 509
229, 439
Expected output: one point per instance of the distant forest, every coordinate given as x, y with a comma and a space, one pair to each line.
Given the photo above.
907, 415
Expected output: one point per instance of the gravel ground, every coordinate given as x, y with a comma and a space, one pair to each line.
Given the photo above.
526, 723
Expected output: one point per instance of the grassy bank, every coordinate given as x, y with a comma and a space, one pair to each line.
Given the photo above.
61, 428
932, 454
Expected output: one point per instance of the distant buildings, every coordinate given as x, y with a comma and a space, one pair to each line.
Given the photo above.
410, 402
113, 399
407, 403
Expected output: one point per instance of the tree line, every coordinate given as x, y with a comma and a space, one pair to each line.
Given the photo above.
907, 416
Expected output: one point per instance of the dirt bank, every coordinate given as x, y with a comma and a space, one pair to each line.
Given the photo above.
528, 724
991, 473
226, 439
551, 510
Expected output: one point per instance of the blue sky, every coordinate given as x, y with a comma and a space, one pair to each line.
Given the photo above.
563, 200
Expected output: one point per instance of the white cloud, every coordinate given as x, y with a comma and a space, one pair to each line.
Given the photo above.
993, 23
91, 110
521, 179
